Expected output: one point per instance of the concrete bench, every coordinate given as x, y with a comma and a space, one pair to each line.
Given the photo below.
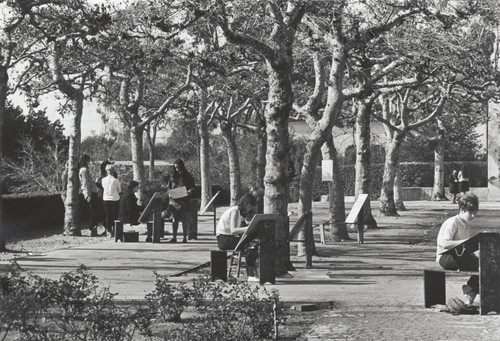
488, 244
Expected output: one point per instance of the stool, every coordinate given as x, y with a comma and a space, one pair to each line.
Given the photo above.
237, 255
218, 265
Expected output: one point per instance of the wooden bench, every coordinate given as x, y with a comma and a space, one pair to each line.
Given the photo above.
488, 244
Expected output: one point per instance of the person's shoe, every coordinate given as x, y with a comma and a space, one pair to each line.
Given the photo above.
252, 279
173, 240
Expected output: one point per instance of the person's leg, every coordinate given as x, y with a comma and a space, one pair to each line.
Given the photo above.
175, 227
93, 214
107, 214
185, 225
115, 209
468, 262
227, 242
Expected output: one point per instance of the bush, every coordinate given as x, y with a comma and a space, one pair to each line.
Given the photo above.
28, 211
75, 307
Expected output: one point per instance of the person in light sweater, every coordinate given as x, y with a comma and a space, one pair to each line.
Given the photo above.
454, 231
111, 199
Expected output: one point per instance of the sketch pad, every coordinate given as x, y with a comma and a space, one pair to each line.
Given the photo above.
252, 230
177, 193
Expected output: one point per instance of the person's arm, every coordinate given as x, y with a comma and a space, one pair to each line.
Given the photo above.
234, 222
446, 236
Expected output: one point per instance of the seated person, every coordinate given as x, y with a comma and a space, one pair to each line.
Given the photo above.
454, 231
229, 230
129, 211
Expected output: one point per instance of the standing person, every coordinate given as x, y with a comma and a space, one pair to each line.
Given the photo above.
178, 209
453, 184
229, 230
129, 211
463, 180
89, 192
111, 199
454, 231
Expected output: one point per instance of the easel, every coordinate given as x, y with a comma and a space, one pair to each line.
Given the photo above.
355, 216
156, 228
202, 212
304, 222
263, 226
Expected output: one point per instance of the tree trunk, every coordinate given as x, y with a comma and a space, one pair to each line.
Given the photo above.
280, 100
72, 204
387, 205
363, 157
398, 198
234, 163
438, 193
338, 230
136, 145
307, 177
261, 156
4, 80
204, 136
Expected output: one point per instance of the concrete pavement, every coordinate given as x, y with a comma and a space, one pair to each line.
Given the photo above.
376, 287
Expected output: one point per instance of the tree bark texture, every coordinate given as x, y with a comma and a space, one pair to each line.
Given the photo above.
363, 157
72, 204
4, 80
204, 136
234, 162
136, 143
387, 205
338, 229
398, 197
438, 193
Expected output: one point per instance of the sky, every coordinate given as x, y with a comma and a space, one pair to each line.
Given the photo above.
91, 120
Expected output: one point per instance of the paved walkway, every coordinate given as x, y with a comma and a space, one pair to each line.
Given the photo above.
376, 288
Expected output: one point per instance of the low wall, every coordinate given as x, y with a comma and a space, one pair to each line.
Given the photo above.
425, 193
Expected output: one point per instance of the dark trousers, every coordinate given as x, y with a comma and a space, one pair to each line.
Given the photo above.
181, 216
111, 213
466, 262
229, 242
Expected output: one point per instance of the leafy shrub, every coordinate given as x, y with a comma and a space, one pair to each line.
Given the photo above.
229, 311
167, 300
75, 307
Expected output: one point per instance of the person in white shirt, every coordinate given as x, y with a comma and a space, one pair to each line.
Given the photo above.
454, 231
111, 199
229, 230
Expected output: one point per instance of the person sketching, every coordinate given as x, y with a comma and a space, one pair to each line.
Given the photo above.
229, 230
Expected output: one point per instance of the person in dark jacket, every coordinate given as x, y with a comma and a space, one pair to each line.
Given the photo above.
178, 209
129, 211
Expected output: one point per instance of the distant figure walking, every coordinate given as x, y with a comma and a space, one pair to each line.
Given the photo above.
463, 180
453, 185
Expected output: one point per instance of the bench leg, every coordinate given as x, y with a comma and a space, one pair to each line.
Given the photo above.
434, 288
118, 231
218, 265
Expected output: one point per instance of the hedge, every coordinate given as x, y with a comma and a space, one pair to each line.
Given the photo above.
414, 174
28, 211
